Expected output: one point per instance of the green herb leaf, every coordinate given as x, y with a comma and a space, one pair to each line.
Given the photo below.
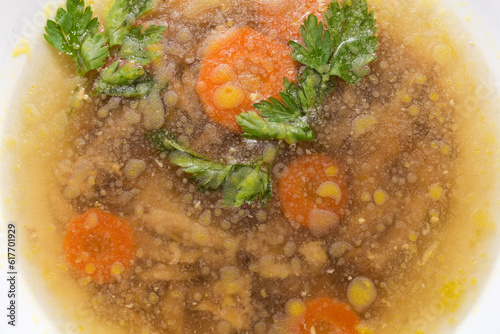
211, 175
75, 33
342, 50
318, 45
256, 127
345, 47
312, 89
126, 80
136, 42
245, 184
165, 142
122, 15
353, 30
239, 183
276, 111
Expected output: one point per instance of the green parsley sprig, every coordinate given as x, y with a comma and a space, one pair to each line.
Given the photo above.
121, 17
342, 50
136, 43
240, 183
126, 80
75, 32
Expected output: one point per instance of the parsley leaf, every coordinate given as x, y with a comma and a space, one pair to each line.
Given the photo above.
122, 15
353, 29
256, 127
136, 43
75, 33
240, 183
318, 44
126, 80
342, 50
347, 45
246, 184
209, 174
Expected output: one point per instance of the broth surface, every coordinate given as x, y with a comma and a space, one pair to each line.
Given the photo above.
418, 158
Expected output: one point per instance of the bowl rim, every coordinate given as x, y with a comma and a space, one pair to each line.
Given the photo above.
482, 315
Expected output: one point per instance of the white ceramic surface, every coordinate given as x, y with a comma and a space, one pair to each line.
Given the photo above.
24, 20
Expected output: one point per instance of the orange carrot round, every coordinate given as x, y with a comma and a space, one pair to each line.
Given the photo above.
313, 191
240, 68
99, 245
283, 18
326, 315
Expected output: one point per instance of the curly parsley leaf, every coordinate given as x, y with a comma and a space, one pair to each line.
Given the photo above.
209, 174
282, 120
342, 50
126, 80
122, 15
75, 33
256, 127
347, 45
353, 31
246, 184
136, 42
318, 45
240, 183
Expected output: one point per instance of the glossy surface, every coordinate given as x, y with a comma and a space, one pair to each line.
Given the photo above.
25, 19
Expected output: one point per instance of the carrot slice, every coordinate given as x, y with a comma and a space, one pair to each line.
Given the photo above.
313, 191
99, 245
283, 18
326, 316
241, 68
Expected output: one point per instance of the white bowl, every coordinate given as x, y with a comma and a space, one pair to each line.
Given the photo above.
23, 21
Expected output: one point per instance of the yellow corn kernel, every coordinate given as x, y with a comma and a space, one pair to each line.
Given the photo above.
420, 78
228, 96
380, 197
366, 197
200, 235
295, 307
330, 189
361, 293
414, 110
364, 329
436, 192
156, 48
117, 268
89, 268
332, 171
434, 96
445, 149
363, 124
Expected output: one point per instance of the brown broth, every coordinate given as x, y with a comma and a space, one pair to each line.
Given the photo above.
408, 129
